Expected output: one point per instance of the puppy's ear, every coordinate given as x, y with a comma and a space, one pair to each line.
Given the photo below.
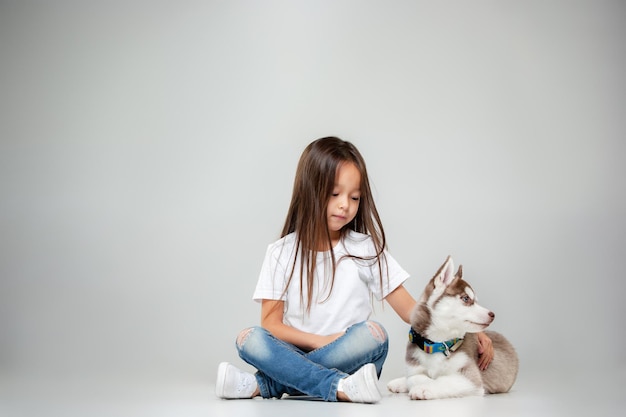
445, 275
459, 273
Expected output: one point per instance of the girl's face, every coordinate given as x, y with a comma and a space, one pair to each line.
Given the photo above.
344, 202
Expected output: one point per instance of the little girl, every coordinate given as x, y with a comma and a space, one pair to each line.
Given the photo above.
316, 287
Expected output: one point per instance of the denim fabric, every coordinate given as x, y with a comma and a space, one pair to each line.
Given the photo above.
285, 369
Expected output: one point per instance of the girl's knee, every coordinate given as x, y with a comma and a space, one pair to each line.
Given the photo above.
243, 336
378, 331
254, 344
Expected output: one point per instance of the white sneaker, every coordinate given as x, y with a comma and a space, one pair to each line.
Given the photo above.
362, 386
233, 383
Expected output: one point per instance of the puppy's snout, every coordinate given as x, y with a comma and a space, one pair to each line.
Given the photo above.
492, 316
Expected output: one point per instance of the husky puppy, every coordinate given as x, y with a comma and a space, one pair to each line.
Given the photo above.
442, 351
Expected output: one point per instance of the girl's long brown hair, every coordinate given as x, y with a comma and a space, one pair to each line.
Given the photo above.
312, 189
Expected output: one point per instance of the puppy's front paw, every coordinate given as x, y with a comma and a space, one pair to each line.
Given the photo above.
421, 393
397, 385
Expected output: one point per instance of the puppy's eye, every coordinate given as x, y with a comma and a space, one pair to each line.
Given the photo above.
465, 299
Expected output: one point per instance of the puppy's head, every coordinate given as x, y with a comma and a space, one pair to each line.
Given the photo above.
448, 304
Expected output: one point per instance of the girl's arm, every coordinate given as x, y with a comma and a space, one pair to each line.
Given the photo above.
402, 303
272, 321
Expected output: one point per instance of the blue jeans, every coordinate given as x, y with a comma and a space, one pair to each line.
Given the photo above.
285, 369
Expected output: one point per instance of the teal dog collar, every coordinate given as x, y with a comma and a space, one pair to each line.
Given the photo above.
429, 346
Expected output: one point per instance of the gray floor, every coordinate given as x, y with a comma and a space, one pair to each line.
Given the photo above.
534, 394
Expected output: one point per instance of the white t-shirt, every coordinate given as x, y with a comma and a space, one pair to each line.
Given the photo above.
355, 281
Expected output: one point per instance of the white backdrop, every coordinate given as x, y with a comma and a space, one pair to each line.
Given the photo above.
148, 150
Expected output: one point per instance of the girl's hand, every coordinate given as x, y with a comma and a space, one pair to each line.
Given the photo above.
326, 340
272, 320
485, 351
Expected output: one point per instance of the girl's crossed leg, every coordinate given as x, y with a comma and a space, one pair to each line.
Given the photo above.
285, 369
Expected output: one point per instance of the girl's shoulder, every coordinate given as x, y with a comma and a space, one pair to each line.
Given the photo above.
285, 240
282, 247
353, 243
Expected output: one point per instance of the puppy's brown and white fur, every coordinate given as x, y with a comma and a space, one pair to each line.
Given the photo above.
447, 309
